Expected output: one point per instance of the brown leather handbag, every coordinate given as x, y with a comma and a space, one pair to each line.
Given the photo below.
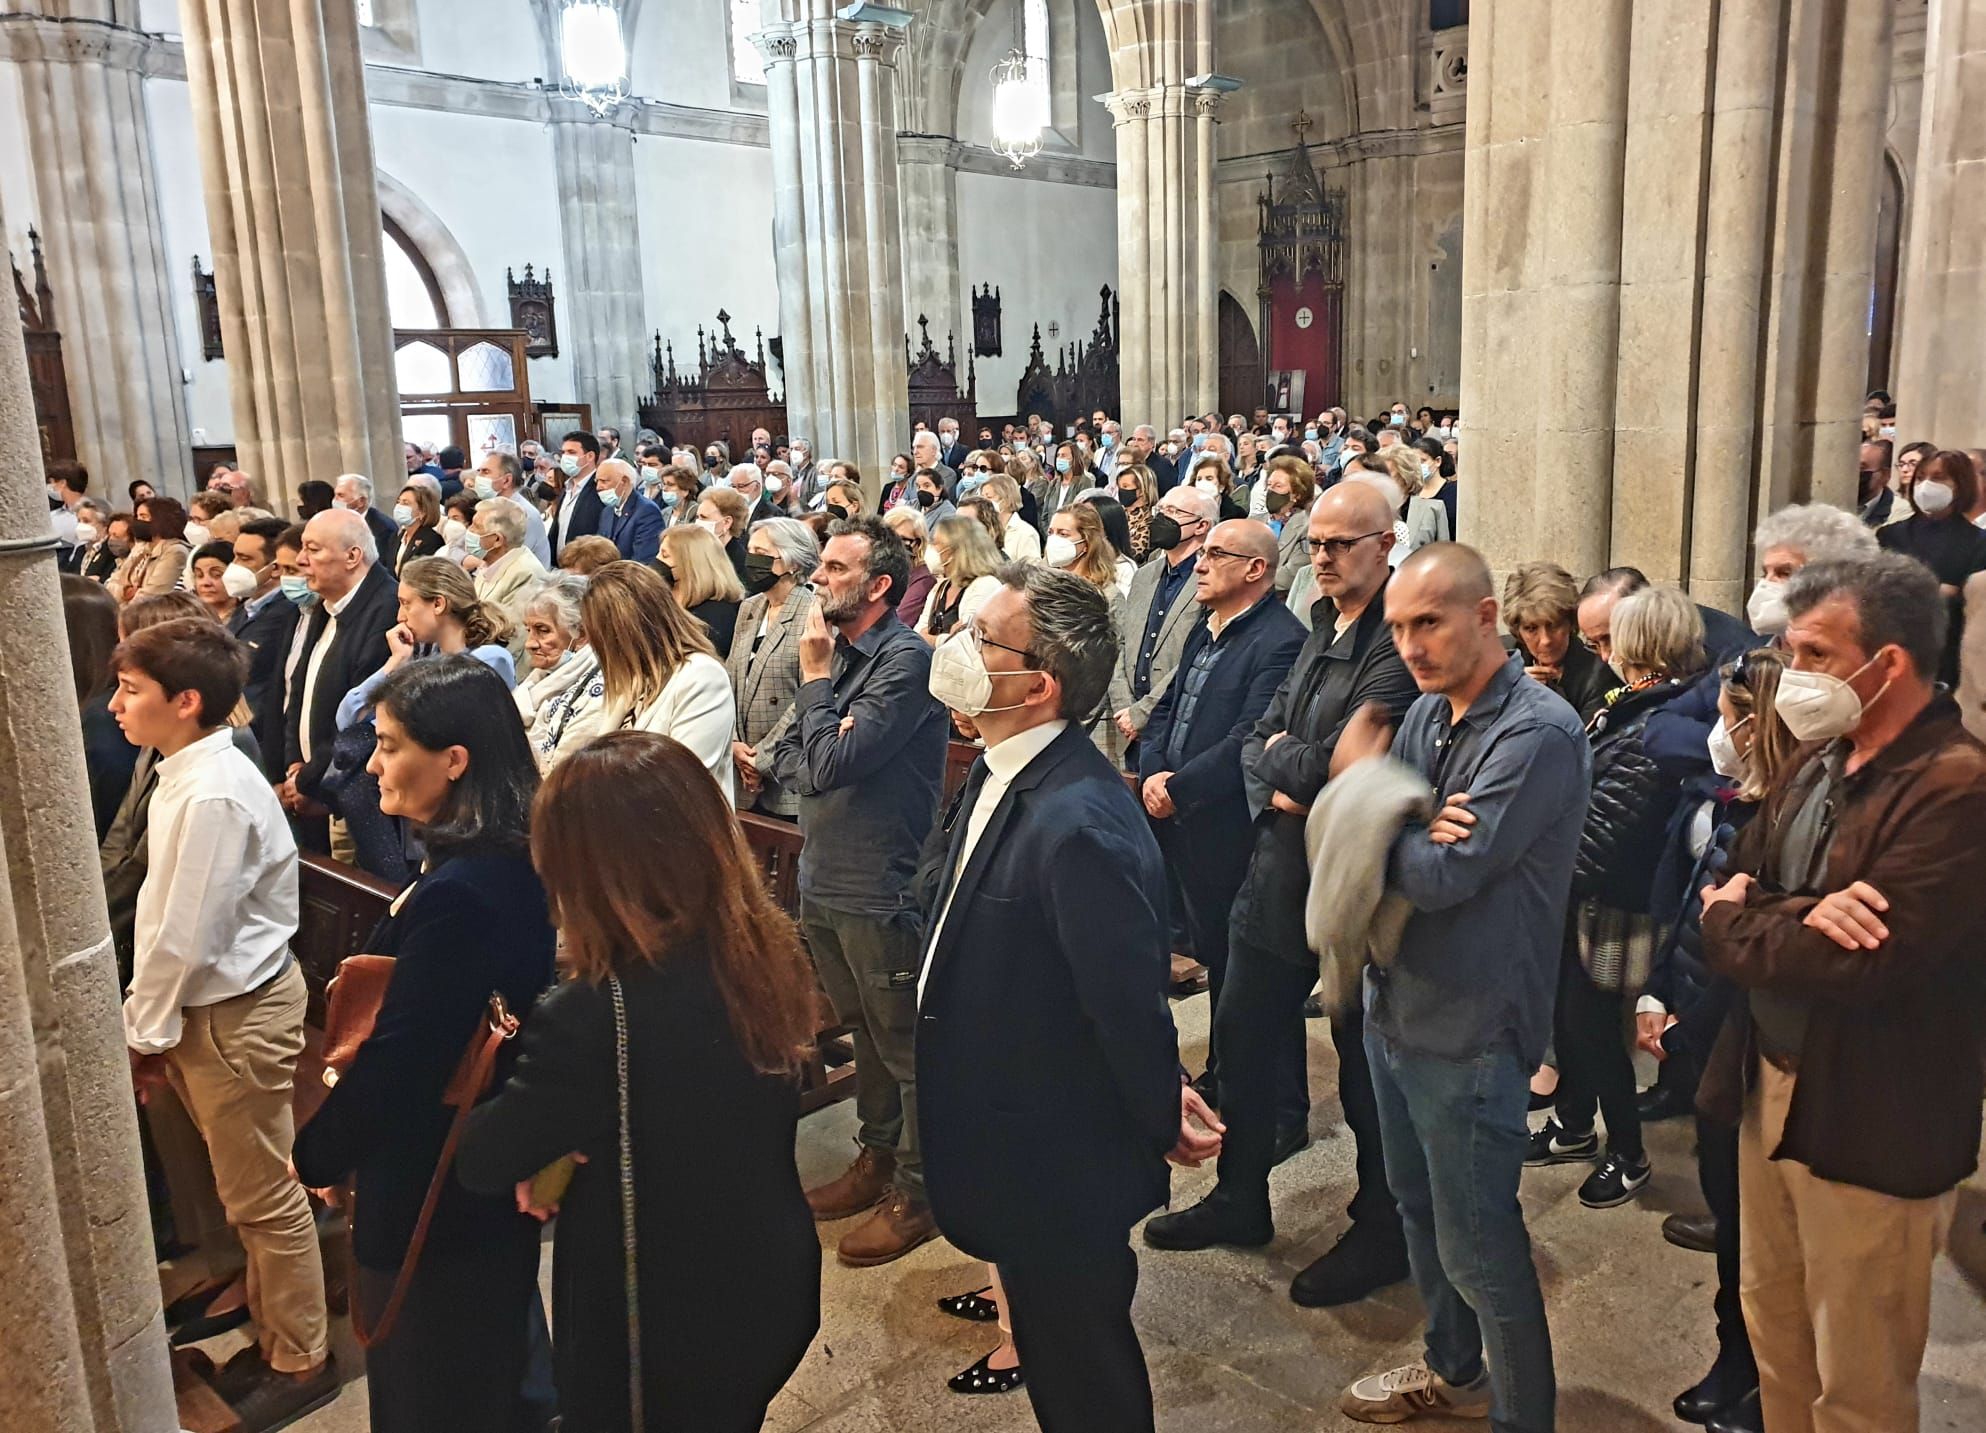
352, 1009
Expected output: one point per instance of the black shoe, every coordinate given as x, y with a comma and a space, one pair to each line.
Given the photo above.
1730, 1381
1616, 1181
1741, 1417
1695, 1232
1290, 1138
1550, 1144
1206, 1224
277, 1400
192, 1330
1663, 1102
974, 1307
1313, 1007
193, 1304
1366, 1259
981, 1379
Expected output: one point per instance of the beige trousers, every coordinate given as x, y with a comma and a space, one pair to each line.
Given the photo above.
1835, 1281
343, 847
234, 1068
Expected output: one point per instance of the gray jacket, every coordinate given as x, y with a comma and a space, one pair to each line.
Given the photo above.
764, 683
1179, 623
1349, 916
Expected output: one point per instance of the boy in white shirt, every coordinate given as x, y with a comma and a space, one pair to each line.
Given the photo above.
216, 1003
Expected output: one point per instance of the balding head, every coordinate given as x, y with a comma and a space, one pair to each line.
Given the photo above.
1441, 606
338, 548
1237, 567
1351, 543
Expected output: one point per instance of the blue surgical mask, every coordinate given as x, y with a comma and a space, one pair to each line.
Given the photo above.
472, 544
609, 499
670, 497
1309, 435
1109, 440
1062, 466
297, 589
485, 489
569, 464
403, 515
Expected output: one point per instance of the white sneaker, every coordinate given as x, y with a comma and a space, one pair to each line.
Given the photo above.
1414, 1391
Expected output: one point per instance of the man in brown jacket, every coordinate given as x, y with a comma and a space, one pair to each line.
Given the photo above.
1853, 1067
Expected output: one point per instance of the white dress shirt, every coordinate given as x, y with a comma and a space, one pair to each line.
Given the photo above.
1004, 762
316, 660
219, 903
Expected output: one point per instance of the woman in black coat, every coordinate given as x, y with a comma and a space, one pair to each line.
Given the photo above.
1610, 937
719, 1004
475, 923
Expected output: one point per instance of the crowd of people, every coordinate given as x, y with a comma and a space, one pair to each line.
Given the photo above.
1249, 718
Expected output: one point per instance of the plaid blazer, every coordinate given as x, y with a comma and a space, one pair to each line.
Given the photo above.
764, 685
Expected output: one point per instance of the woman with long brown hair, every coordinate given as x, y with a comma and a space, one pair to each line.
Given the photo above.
701, 993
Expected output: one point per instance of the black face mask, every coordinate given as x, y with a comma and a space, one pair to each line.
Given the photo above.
1163, 532
759, 576
926, 498
141, 530
711, 460
837, 512
668, 573
1128, 496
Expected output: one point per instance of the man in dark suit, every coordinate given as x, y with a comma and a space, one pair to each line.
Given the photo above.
1189, 754
264, 619
951, 452
1143, 447
344, 642
1046, 1054
577, 511
628, 519
353, 492
748, 481
1259, 1038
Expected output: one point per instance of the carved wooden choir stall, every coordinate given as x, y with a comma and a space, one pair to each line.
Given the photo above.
724, 400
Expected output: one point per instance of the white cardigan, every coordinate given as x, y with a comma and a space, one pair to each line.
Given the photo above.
696, 708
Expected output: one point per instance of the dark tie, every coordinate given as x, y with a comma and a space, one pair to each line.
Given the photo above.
959, 819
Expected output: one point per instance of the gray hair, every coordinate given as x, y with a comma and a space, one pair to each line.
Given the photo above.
794, 542
560, 595
1146, 432
1896, 601
349, 530
747, 471
359, 481
1819, 532
1070, 634
504, 518
1205, 505
1658, 629
424, 480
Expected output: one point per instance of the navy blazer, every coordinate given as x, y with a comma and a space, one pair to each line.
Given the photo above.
357, 651
1261, 646
635, 527
586, 514
1047, 1063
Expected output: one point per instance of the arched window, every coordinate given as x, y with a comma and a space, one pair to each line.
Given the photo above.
747, 64
413, 294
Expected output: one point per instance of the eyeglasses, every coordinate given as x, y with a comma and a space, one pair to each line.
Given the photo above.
979, 467
1337, 547
980, 639
1207, 552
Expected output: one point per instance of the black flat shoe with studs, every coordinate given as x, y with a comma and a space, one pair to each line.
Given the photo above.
974, 1308
982, 1379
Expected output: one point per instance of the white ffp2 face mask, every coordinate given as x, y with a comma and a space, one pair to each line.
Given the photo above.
1765, 609
1725, 758
1818, 706
959, 677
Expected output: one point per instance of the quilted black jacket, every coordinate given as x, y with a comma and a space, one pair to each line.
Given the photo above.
1627, 819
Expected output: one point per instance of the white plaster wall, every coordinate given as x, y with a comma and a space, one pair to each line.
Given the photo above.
491, 182
706, 239
489, 39
1048, 248
183, 218
17, 191
680, 51
991, 42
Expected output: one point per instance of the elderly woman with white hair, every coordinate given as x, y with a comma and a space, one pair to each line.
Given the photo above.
561, 664
764, 663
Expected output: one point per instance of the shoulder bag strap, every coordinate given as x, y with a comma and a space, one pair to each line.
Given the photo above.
501, 1026
637, 1422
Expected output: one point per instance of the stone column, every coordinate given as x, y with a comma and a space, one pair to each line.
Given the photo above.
81, 65
601, 231
1669, 238
1167, 239
929, 191
84, 1336
279, 110
1943, 331
837, 227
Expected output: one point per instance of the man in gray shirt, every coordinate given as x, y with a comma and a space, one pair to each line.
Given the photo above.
1458, 1021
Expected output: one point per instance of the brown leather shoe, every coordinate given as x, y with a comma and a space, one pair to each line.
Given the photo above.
899, 1225
857, 1188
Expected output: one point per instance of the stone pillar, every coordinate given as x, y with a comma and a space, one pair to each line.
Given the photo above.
930, 202
606, 314
1668, 244
1167, 243
837, 228
1943, 331
279, 110
84, 1335
81, 65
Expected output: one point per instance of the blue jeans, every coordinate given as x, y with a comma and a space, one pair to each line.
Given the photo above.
1455, 1138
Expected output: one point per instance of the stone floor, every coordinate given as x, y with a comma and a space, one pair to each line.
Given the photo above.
1228, 1351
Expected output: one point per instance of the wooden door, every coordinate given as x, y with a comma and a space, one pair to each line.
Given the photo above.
1242, 376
